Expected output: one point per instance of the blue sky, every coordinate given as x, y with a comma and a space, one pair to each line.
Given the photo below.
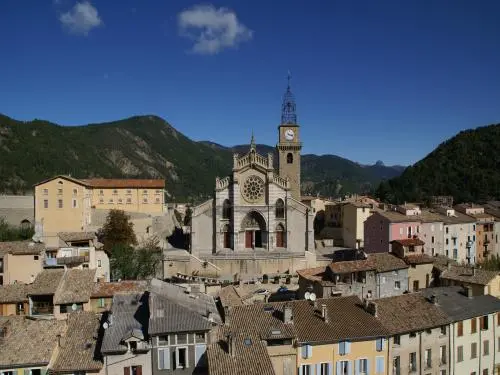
373, 80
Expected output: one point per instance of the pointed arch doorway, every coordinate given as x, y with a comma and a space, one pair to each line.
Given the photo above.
254, 228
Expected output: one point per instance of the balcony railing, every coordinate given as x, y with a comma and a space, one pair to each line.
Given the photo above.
42, 309
73, 260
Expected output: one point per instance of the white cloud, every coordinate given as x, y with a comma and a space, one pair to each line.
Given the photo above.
82, 18
212, 29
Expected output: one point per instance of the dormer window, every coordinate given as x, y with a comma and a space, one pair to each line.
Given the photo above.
132, 346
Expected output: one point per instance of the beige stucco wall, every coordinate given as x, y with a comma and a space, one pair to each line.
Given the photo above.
116, 363
128, 199
21, 268
72, 217
353, 224
283, 358
420, 272
102, 265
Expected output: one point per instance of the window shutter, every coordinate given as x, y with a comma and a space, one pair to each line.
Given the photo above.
318, 368
349, 368
347, 347
300, 370
339, 368
304, 351
379, 345
161, 359
380, 365
383, 342
199, 351
309, 351
357, 366
330, 368
368, 367
139, 370
126, 371
342, 347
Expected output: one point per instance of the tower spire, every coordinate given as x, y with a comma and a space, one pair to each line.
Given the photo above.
252, 142
288, 108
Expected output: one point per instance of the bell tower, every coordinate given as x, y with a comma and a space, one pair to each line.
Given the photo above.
289, 145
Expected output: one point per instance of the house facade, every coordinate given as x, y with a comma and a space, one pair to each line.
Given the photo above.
65, 204
420, 264
20, 261
353, 224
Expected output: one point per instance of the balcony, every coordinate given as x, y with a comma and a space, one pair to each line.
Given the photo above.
50, 262
69, 260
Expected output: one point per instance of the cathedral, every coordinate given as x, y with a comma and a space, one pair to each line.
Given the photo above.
256, 209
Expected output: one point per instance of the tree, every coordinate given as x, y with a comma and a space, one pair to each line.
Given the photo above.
129, 263
187, 218
117, 230
12, 233
491, 264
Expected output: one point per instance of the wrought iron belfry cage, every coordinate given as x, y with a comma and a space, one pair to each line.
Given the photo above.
288, 108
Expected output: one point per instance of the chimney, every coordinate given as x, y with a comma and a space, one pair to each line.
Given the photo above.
372, 309
468, 291
324, 313
433, 299
473, 271
231, 345
226, 315
59, 340
287, 314
210, 317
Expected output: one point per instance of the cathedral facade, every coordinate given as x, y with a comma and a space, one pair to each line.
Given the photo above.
256, 209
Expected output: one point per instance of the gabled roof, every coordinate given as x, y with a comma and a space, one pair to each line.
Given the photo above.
78, 349
232, 295
454, 302
380, 262
408, 313
76, 286
28, 342
102, 289
21, 248
125, 183
76, 236
409, 242
64, 177
468, 274
46, 282
14, 293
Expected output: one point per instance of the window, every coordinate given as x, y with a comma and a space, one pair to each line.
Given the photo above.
485, 371
289, 158
145, 200
145, 192
484, 323
35, 257
343, 368
413, 334
200, 337
129, 200
129, 191
413, 362
397, 284
115, 191
344, 347
473, 325
75, 192
101, 200
60, 203
306, 370
432, 230
380, 344
74, 203
397, 339
428, 358
460, 329
447, 230
447, 241
486, 347
324, 369
396, 365
45, 203
473, 350
226, 209
101, 302
59, 191
460, 353
306, 351
98, 263
455, 254
157, 191
45, 191
400, 231
181, 338
442, 372
101, 192
432, 239
132, 370
181, 357
379, 365
111, 201
163, 359
443, 330
362, 366
442, 354
415, 286
280, 209
158, 200
162, 340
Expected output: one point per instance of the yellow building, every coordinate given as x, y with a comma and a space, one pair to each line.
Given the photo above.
354, 215
20, 261
65, 204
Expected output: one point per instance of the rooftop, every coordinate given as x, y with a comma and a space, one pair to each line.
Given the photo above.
28, 342
468, 274
316, 274
233, 295
419, 259
454, 302
76, 286
102, 289
13, 293
124, 183
46, 282
78, 346
76, 236
21, 248
410, 242
380, 262
409, 312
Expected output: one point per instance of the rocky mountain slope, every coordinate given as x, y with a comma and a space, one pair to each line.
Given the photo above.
149, 147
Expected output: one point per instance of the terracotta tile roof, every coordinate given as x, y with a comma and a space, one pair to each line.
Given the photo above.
385, 262
233, 295
347, 320
419, 259
410, 242
76, 236
316, 274
68, 178
465, 274
352, 266
21, 248
250, 356
78, 346
46, 282
76, 286
124, 183
409, 312
441, 262
14, 293
28, 342
101, 289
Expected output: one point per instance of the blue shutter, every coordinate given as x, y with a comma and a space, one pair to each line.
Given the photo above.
342, 347
368, 367
309, 351
304, 351
318, 368
339, 368
379, 345
167, 358
330, 368
357, 366
300, 370
380, 365
383, 342
198, 354
347, 347
349, 368
161, 359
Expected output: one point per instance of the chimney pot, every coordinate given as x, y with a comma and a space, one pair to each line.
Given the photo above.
468, 291
473, 271
226, 315
231, 345
287, 314
373, 309
324, 313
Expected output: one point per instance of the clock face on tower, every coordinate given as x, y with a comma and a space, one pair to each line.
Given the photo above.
289, 134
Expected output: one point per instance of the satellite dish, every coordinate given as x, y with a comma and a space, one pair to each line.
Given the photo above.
74, 307
105, 325
307, 295
312, 297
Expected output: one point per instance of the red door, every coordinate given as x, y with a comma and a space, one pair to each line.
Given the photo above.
279, 239
248, 239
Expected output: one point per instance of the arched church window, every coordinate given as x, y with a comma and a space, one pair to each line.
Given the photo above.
289, 158
280, 236
280, 209
226, 209
226, 232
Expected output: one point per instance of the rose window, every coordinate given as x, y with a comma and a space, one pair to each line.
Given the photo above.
253, 188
